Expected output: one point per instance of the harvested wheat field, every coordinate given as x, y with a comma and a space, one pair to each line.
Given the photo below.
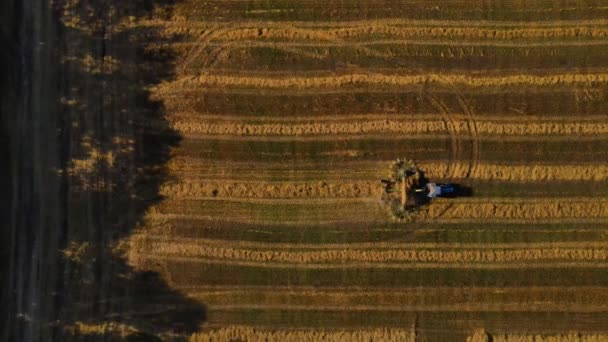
219, 167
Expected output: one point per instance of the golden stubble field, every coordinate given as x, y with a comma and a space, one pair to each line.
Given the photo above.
289, 113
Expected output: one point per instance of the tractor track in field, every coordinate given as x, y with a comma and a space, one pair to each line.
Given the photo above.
197, 50
473, 133
447, 117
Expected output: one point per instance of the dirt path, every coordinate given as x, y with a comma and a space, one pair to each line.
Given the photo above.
35, 222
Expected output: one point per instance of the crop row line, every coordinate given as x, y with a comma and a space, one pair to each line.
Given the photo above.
405, 22
369, 265
387, 126
506, 117
465, 307
377, 79
365, 170
372, 245
485, 255
266, 31
223, 189
246, 333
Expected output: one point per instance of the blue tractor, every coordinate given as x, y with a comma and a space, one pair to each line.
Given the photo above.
433, 190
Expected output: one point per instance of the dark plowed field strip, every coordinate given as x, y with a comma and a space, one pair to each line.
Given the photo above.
354, 170
379, 233
183, 273
436, 296
432, 56
197, 188
314, 10
381, 149
571, 103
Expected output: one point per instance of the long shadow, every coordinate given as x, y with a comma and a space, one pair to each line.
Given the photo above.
8, 97
94, 164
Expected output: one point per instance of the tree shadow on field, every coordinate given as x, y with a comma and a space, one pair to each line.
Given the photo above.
112, 147
119, 146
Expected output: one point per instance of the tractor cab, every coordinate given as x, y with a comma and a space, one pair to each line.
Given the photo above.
441, 190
